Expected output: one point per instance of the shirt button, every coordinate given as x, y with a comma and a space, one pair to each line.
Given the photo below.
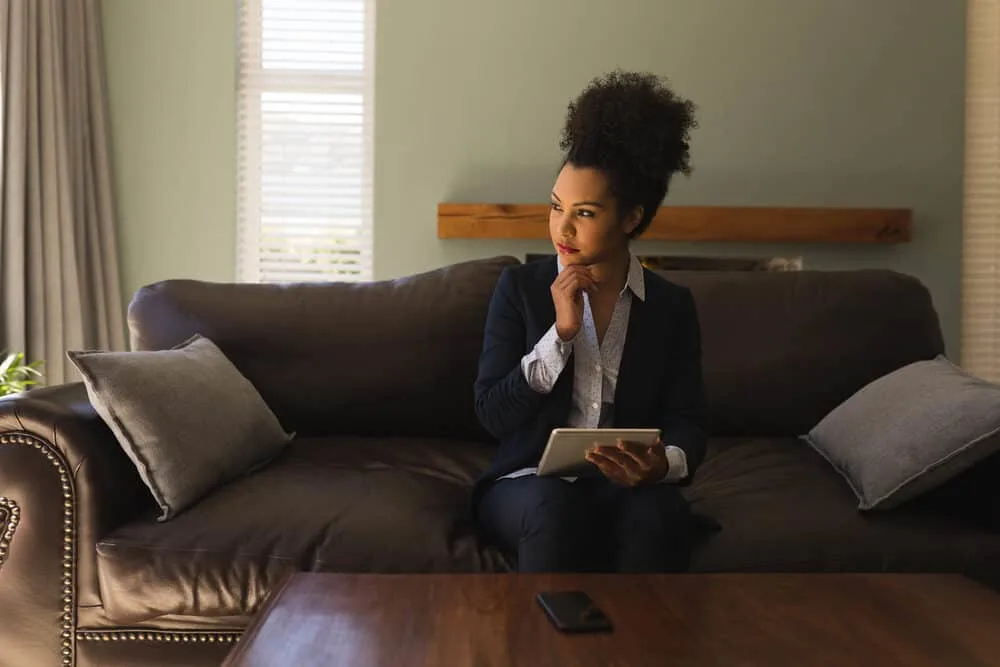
595, 405
597, 368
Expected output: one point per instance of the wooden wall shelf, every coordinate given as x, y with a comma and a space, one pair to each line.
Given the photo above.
695, 223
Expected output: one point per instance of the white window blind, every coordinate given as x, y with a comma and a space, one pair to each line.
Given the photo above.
981, 252
305, 140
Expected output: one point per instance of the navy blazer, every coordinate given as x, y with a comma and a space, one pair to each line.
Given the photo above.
659, 379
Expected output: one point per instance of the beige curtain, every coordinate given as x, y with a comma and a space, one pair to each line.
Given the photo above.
59, 278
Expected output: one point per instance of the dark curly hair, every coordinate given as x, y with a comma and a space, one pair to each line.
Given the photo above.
636, 131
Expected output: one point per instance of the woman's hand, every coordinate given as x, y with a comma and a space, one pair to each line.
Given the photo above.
630, 463
567, 297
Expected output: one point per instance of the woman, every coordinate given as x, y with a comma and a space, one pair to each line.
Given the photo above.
590, 339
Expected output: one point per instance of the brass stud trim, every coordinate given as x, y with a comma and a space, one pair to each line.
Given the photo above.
10, 514
55, 457
185, 637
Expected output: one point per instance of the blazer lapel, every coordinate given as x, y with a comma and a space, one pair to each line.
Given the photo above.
632, 383
562, 393
546, 309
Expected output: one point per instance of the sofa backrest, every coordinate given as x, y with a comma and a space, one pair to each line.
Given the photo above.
395, 357
780, 350
399, 357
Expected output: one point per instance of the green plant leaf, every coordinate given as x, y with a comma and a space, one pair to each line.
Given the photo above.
16, 375
8, 363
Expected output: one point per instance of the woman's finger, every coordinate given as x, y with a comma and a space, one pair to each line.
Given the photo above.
575, 272
608, 468
581, 282
618, 456
603, 461
639, 455
619, 468
599, 458
633, 464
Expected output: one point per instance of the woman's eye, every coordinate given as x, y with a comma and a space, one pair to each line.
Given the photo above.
555, 206
585, 213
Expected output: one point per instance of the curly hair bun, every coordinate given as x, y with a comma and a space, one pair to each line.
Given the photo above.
630, 117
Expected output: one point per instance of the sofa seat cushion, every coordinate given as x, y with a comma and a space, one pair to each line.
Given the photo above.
783, 508
348, 504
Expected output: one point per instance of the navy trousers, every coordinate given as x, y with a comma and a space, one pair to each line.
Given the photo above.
590, 525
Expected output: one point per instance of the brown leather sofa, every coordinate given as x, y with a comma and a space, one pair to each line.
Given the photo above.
376, 380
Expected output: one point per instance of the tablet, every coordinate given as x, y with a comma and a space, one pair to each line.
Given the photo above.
565, 454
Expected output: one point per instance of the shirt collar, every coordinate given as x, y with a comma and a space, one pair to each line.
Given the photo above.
636, 280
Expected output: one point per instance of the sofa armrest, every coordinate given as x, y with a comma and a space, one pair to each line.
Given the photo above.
64, 483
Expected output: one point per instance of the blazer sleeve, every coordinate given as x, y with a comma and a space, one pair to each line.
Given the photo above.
683, 402
503, 398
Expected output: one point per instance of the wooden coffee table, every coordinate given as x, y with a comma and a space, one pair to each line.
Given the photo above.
705, 620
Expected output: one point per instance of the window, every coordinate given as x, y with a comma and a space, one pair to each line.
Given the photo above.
305, 140
981, 234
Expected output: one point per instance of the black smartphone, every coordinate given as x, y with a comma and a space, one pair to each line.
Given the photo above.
573, 611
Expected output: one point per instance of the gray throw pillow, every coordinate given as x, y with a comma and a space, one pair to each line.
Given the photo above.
186, 417
910, 431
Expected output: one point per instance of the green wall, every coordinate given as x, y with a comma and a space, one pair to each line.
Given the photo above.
171, 68
806, 102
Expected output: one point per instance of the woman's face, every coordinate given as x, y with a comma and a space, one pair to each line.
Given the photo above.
584, 222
